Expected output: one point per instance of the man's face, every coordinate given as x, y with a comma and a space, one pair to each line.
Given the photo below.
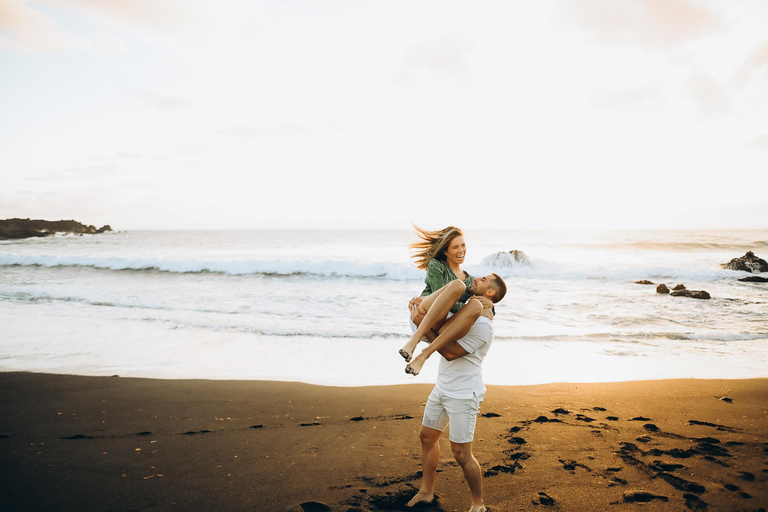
481, 285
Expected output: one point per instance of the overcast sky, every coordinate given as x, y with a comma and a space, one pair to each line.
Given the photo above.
159, 114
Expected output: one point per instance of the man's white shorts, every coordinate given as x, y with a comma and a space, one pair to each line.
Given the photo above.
461, 413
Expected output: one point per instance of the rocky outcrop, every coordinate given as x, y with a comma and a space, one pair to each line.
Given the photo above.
748, 263
644, 281
754, 279
694, 294
681, 291
507, 259
11, 229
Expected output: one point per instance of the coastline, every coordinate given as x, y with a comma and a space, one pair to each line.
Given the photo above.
112, 443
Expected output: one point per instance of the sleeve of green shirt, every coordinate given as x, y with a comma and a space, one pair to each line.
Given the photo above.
438, 275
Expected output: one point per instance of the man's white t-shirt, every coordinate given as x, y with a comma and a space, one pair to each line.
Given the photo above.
463, 377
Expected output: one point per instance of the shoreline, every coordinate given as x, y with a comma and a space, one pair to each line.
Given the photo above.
112, 443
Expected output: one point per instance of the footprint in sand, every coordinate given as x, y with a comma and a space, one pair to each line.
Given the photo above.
693, 502
312, 506
544, 499
643, 497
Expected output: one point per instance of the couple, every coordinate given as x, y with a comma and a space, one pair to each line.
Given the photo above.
454, 314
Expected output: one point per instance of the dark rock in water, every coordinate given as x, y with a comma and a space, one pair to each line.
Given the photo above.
644, 281
507, 259
754, 279
679, 287
748, 263
13, 229
694, 294
662, 288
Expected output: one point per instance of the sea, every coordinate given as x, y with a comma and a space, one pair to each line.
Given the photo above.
330, 307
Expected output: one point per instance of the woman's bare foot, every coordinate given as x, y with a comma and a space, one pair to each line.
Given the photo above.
414, 367
421, 497
408, 349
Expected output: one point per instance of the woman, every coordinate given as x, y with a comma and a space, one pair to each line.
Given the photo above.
441, 254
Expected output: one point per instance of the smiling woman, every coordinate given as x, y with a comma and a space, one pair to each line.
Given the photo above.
441, 254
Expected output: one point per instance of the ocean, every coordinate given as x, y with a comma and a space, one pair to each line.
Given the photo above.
330, 307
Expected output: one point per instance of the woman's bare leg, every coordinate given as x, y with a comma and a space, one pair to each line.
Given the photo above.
457, 327
438, 305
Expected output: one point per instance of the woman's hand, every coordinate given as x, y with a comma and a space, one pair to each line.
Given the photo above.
417, 312
487, 306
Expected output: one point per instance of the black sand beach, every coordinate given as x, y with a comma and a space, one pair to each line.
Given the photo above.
101, 443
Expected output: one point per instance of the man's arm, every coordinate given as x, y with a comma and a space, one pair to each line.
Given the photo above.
452, 351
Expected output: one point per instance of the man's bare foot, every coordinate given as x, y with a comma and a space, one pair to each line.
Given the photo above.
478, 508
421, 497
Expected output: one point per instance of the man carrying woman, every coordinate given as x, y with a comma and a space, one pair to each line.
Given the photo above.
463, 340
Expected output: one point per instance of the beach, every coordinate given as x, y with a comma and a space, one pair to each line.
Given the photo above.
114, 443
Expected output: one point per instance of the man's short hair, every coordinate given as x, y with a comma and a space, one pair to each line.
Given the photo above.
497, 283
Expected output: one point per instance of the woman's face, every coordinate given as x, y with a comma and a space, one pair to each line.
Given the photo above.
456, 251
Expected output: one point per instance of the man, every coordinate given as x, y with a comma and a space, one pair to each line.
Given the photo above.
456, 398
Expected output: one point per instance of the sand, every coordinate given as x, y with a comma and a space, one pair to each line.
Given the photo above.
112, 443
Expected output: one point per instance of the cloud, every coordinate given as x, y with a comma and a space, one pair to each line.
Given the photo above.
708, 95
157, 100
89, 172
443, 58
758, 143
648, 23
196, 25
637, 99
285, 130
28, 30
757, 60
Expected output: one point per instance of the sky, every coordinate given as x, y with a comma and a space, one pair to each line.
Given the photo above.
248, 114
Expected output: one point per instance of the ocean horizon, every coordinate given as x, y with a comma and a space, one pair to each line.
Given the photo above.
329, 306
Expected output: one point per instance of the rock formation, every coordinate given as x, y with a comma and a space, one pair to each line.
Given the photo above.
749, 263
11, 229
694, 294
681, 291
507, 259
754, 279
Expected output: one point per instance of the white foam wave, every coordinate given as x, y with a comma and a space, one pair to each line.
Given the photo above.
405, 271
329, 268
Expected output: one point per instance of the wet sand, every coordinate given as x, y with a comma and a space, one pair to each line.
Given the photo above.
112, 443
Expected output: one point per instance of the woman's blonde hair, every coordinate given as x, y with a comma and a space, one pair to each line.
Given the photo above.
433, 244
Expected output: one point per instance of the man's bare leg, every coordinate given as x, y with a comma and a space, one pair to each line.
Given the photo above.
458, 327
438, 305
430, 458
462, 452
